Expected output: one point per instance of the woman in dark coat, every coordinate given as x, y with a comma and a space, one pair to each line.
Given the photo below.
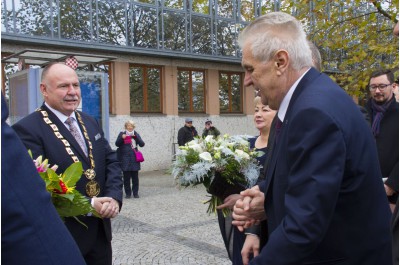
126, 141
238, 244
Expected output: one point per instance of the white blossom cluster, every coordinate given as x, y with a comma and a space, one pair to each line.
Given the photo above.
213, 155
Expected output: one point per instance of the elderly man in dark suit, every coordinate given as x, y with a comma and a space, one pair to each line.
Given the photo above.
63, 135
31, 230
323, 196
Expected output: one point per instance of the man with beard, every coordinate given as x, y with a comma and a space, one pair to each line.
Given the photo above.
384, 112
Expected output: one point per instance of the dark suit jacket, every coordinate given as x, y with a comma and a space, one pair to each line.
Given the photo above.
41, 140
31, 230
324, 198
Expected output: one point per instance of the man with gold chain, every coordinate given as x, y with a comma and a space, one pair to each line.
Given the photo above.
63, 135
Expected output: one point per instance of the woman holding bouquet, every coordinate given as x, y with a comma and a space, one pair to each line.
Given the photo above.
127, 141
234, 239
263, 117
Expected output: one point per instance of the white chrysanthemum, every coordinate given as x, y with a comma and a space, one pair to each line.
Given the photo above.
242, 154
219, 148
206, 156
193, 142
196, 147
214, 155
209, 138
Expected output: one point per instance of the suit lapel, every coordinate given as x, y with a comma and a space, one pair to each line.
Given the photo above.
67, 135
271, 144
271, 164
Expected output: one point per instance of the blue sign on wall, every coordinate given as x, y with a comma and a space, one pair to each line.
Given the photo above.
91, 99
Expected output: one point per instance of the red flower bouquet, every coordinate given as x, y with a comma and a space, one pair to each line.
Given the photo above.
67, 200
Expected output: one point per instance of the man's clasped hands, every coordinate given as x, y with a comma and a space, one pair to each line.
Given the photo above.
107, 207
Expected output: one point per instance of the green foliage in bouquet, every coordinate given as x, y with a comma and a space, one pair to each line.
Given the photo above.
66, 199
224, 165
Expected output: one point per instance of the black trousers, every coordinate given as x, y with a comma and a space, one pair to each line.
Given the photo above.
131, 176
92, 241
101, 252
233, 238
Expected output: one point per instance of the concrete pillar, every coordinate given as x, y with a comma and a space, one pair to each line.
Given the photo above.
121, 95
170, 96
212, 92
248, 100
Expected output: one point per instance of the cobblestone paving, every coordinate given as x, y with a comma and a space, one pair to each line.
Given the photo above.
166, 226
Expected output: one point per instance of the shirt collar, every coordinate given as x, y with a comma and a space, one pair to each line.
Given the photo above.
59, 115
286, 100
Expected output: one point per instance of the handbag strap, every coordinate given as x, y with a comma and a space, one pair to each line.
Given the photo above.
133, 147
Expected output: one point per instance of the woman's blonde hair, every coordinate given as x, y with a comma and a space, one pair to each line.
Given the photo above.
132, 123
257, 100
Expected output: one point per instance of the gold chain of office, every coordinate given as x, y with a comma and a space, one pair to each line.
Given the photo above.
92, 187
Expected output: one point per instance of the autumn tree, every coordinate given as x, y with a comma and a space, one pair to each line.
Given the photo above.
354, 37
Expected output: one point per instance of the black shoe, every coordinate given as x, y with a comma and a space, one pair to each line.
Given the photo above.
136, 196
127, 197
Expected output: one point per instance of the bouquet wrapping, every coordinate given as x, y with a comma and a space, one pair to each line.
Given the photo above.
224, 165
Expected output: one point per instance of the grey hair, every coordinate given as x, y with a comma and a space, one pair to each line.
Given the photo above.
274, 31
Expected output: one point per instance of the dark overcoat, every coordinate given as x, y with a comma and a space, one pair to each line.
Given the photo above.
125, 153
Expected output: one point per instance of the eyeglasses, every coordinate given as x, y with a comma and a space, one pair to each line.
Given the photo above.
381, 87
208, 123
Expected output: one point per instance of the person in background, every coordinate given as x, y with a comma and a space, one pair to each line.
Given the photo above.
321, 176
127, 141
58, 132
187, 132
384, 112
31, 230
395, 217
244, 245
316, 56
210, 129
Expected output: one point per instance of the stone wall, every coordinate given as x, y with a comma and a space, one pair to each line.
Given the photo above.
160, 133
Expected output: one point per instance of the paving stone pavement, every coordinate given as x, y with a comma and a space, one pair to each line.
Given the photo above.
166, 226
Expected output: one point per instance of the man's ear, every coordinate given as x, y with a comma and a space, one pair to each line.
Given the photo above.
43, 89
281, 61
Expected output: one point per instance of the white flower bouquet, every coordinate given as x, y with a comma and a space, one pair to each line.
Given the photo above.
224, 165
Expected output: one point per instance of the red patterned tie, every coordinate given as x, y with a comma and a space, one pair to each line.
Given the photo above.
74, 131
